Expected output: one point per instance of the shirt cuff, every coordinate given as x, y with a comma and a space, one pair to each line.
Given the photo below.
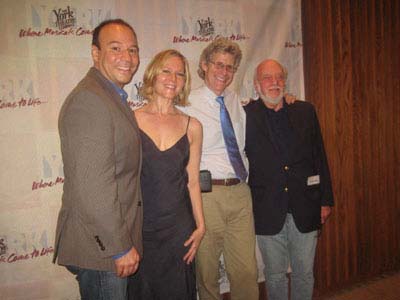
120, 254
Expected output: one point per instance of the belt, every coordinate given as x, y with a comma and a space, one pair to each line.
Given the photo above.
226, 182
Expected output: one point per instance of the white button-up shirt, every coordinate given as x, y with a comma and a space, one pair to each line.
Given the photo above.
206, 109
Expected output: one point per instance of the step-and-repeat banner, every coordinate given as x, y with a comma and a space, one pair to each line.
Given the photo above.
45, 51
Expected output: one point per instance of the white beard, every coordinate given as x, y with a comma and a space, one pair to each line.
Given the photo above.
270, 100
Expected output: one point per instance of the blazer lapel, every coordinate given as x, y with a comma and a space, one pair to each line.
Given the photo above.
124, 108
114, 96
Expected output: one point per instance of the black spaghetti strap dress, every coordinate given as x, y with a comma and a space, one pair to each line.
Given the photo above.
167, 223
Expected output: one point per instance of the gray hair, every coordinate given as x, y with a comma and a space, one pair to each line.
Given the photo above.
219, 45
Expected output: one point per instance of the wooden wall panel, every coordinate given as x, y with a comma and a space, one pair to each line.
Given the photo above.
352, 75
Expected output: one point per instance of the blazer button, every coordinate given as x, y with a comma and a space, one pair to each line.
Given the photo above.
286, 189
286, 168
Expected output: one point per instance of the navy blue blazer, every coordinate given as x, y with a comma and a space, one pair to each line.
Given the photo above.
306, 172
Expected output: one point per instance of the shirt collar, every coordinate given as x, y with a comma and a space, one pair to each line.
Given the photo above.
120, 91
211, 97
272, 111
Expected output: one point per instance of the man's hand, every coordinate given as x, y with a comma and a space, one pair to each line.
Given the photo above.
289, 98
127, 264
325, 213
244, 102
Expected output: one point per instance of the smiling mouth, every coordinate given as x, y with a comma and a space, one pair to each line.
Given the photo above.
124, 69
220, 80
274, 89
170, 87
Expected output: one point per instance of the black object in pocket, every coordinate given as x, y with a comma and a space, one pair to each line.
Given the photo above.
205, 181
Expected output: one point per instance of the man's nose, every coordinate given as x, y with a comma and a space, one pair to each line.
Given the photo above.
224, 70
125, 55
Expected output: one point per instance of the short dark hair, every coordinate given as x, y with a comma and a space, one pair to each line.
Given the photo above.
96, 31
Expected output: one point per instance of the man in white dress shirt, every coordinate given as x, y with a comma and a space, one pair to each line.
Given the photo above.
228, 208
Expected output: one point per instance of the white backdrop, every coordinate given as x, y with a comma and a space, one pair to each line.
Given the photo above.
45, 51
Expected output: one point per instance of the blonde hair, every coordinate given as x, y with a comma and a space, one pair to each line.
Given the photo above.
219, 45
154, 68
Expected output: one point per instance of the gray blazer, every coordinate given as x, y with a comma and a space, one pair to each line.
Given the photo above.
101, 213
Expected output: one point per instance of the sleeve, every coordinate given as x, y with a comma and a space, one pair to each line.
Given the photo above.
321, 164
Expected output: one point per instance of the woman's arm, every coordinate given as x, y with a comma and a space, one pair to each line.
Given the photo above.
195, 136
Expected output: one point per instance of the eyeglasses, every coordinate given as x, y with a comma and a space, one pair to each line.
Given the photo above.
273, 77
221, 66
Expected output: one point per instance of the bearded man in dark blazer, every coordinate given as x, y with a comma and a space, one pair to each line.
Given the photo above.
289, 180
98, 236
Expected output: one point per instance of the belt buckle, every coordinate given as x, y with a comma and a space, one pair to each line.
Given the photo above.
226, 181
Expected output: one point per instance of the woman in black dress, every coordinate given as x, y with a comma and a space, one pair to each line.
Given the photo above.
173, 221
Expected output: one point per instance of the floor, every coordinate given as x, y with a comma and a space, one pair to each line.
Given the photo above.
386, 287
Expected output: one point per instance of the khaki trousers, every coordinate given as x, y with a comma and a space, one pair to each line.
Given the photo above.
229, 230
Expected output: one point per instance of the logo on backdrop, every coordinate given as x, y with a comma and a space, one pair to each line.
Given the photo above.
63, 21
24, 246
18, 93
289, 44
53, 174
64, 18
3, 247
208, 29
135, 100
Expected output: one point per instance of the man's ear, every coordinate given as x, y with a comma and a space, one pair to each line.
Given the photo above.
95, 54
204, 66
257, 86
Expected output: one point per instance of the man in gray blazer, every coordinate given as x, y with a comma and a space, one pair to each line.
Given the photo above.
98, 236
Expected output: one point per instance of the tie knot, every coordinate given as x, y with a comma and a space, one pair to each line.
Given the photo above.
220, 99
